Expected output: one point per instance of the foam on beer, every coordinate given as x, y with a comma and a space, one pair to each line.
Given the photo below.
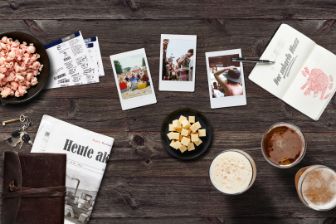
231, 172
319, 188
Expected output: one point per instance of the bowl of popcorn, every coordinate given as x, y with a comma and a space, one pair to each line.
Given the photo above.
186, 134
24, 67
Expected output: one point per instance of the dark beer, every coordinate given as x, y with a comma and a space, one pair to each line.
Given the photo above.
283, 145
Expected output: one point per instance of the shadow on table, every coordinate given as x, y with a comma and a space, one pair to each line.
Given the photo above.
254, 203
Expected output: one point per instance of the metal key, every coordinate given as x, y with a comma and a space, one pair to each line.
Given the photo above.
10, 121
22, 118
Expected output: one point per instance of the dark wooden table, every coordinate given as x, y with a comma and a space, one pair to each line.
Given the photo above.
142, 184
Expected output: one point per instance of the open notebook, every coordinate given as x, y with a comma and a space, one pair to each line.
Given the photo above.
303, 74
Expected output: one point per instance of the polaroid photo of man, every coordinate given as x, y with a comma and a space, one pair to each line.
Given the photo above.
133, 79
177, 63
225, 79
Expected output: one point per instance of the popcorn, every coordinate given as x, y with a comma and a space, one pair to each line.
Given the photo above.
19, 67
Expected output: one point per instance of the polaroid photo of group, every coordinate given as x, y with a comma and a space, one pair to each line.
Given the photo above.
133, 79
177, 63
225, 79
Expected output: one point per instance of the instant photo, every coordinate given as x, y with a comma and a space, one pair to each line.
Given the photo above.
133, 79
177, 63
225, 79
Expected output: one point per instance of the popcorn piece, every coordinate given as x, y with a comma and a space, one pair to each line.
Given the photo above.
173, 135
31, 49
185, 132
202, 133
185, 141
191, 119
191, 146
5, 92
195, 126
198, 142
194, 138
34, 81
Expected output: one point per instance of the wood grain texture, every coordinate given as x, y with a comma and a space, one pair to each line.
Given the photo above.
162, 9
142, 184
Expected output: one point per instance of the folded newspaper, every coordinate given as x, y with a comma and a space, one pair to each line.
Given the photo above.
87, 154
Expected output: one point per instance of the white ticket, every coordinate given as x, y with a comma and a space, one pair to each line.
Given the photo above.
94, 50
70, 62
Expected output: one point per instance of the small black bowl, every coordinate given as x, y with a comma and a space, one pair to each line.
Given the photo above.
42, 77
199, 150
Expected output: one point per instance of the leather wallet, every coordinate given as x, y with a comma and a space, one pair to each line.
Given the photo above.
33, 188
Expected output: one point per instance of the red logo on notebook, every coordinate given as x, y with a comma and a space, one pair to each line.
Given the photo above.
317, 83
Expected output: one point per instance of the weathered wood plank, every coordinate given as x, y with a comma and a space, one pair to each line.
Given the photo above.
195, 197
162, 9
104, 115
212, 220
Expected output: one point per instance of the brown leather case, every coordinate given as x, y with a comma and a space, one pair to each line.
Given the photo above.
33, 188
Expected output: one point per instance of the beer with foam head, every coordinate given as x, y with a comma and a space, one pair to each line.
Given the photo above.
316, 187
233, 172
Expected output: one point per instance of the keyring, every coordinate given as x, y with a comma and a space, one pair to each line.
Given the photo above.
23, 118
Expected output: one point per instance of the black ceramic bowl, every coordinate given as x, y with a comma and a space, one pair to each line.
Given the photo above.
42, 78
199, 150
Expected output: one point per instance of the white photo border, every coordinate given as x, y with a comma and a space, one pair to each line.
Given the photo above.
139, 100
179, 86
226, 101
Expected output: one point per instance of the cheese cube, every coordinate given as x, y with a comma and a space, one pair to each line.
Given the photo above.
183, 148
198, 142
173, 135
185, 141
201, 132
172, 144
182, 118
178, 143
194, 138
195, 126
185, 132
185, 124
175, 144
176, 124
171, 127
191, 146
191, 119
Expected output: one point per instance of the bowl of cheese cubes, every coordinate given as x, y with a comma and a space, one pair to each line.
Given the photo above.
186, 134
